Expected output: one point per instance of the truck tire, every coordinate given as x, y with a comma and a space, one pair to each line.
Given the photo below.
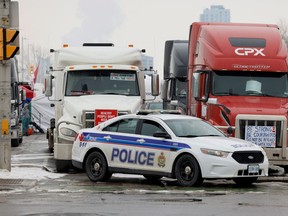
15, 142
50, 138
63, 166
187, 171
96, 167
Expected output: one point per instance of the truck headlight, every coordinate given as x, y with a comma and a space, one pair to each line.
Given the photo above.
13, 122
68, 132
217, 153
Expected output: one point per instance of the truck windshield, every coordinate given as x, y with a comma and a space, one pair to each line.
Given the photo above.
86, 82
273, 84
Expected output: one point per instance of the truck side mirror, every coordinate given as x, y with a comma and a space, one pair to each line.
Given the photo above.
155, 85
23, 95
164, 90
196, 85
48, 85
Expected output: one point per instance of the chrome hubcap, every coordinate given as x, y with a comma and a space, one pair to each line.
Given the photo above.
187, 170
97, 166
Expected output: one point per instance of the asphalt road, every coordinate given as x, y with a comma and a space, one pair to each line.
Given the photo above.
33, 188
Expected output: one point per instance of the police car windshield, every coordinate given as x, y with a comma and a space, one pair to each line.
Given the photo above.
192, 128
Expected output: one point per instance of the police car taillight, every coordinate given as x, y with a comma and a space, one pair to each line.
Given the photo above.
76, 136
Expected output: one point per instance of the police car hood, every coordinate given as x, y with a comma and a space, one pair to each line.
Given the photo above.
92, 102
222, 143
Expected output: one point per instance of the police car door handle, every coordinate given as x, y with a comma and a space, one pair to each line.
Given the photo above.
140, 140
107, 137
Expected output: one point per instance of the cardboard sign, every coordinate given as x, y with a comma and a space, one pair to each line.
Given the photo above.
102, 115
264, 136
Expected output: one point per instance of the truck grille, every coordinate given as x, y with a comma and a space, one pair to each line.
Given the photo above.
248, 157
245, 120
88, 117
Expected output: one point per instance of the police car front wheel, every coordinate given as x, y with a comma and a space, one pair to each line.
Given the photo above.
187, 171
96, 167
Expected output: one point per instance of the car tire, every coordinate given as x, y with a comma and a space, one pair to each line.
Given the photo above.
245, 181
187, 171
96, 167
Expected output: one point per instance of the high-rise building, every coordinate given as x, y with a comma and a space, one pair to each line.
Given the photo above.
216, 13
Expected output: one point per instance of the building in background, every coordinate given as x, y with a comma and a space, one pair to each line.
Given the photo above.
216, 13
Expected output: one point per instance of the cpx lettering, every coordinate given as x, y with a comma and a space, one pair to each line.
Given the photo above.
249, 51
137, 157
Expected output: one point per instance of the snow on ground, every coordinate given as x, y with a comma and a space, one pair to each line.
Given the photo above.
29, 172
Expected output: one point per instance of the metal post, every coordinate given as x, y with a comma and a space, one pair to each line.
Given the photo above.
5, 97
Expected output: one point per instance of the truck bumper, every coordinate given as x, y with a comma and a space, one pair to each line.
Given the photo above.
63, 151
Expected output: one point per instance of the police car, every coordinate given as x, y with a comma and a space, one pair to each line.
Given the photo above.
157, 145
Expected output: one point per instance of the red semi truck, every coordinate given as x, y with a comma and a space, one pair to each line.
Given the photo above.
237, 80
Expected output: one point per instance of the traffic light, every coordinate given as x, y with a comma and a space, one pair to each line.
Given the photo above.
7, 36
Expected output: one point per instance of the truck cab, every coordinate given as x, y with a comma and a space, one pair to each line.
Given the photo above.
91, 84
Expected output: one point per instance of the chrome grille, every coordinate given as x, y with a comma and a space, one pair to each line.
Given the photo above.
279, 122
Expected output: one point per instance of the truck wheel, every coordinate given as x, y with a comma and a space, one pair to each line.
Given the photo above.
50, 138
96, 167
14, 142
63, 166
187, 171
245, 181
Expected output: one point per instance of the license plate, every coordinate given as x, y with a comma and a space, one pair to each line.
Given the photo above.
252, 169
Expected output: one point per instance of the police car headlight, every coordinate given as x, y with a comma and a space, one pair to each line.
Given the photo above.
217, 153
13, 122
68, 132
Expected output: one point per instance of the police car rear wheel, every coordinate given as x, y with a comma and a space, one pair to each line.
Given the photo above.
96, 167
187, 171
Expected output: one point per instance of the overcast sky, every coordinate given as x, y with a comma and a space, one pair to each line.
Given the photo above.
144, 23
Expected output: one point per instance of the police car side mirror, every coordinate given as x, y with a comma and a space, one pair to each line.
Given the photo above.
162, 135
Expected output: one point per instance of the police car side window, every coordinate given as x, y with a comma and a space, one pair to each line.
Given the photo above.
123, 126
113, 127
150, 127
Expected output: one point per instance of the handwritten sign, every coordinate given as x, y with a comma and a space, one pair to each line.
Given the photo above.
264, 136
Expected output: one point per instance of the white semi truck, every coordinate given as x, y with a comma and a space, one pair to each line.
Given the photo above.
90, 84
17, 97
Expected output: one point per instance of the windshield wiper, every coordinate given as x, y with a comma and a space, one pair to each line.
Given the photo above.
80, 92
225, 93
204, 135
188, 135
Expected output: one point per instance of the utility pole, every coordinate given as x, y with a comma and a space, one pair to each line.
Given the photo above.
8, 18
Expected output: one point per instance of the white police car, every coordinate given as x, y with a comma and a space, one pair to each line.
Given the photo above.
156, 145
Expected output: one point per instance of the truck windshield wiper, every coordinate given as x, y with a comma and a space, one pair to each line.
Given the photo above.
80, 92
225, 93
114, 93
